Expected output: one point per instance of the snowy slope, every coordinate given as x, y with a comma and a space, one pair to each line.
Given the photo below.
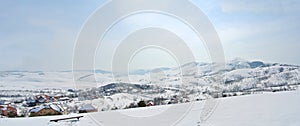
279, 109
269, 109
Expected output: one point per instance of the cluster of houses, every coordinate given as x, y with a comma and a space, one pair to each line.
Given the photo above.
42, 105
41, 99
44, 110
47, 104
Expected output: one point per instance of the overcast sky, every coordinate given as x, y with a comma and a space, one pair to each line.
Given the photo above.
40, 35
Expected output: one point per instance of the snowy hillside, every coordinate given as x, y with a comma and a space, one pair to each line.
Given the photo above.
238, 74
268, 109
191, 81
249, 93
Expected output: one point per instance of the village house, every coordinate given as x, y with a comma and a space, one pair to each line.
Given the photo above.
42, 98
175, 99
46, 110
8, 111
30, 102
150, 103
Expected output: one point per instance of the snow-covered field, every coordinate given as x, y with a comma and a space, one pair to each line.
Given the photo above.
267, 109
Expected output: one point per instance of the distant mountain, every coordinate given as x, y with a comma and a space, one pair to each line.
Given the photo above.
139, 72
143, 72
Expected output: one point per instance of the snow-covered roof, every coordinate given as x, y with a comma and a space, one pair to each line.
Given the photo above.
52, 106
42, 100
64, 98
35, 110
57, 107
3, 102
30, 100
2, 107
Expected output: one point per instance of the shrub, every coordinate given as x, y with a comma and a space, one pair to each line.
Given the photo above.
142, 104
234, 94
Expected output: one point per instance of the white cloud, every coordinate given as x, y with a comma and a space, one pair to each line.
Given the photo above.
277, 7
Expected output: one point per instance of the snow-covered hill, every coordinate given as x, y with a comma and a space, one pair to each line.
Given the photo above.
238, 74
189, 82
268, 109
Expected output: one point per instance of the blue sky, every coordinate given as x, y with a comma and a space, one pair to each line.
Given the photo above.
40, 35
